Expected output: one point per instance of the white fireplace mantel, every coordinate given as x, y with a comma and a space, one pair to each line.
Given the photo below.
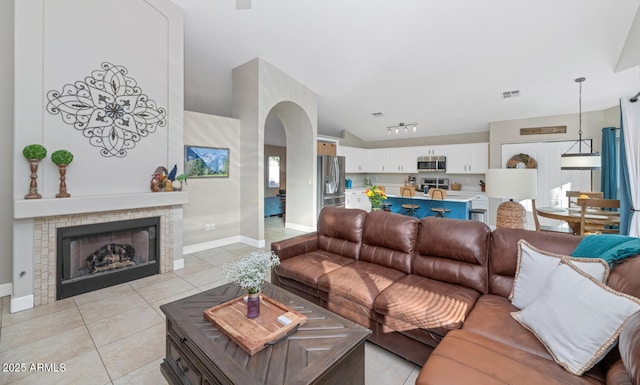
37, 208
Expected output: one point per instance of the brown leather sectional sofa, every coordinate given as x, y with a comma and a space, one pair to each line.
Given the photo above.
435, 291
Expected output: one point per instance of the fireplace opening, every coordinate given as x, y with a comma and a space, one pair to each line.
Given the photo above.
95, 256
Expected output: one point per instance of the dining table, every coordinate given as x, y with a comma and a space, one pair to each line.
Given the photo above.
572, 216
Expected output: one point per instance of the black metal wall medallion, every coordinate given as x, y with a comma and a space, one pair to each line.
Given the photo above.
109, 108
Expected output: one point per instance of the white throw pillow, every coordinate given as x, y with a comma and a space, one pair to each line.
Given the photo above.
535, 266
577, 318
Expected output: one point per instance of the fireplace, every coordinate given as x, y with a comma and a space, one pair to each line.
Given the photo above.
95, 256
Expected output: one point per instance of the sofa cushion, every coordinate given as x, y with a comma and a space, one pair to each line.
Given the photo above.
360, 282
340, 231
464, 357
535, 266
453, 251
426, 303
577, 318
630, 348
624, 277
307, 268
388, 240
491, 318
430, 337
504, 251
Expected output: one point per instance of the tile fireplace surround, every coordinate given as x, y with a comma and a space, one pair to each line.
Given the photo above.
35, 230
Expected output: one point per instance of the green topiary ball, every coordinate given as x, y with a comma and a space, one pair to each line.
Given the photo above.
34, 151
61, 157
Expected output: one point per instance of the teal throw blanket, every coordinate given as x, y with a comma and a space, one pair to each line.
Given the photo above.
613, 248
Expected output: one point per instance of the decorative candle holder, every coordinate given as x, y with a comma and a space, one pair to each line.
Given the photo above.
62, 158
34, 154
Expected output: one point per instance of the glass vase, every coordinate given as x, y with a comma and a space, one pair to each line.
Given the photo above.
253, 305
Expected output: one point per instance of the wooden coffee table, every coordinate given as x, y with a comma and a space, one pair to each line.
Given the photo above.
328, 349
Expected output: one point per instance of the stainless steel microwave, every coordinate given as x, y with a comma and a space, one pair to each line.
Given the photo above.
432, 164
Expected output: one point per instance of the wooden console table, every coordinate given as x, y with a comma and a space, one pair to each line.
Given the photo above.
328, 349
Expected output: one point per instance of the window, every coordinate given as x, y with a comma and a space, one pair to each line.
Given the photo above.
274, 172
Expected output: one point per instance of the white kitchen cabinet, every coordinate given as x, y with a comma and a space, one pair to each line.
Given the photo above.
355, 158
410, 157
433, 150
377, 160
469, 158
350, 199
394, 160
356, 199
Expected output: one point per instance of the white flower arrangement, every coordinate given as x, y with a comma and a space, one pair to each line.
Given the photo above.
249, 271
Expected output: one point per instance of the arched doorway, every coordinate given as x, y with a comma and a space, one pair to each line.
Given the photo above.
300, 165
260, 89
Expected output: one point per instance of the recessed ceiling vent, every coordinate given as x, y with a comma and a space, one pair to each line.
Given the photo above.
377, 114
510, 94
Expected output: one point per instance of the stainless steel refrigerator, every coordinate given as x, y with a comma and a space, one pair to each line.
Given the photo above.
331, 180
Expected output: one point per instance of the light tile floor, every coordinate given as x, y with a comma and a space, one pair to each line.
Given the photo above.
116, 336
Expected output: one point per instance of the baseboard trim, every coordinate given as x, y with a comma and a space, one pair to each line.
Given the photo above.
259, 244
6, 289
21, 303
209, 245
295, 226
178, 264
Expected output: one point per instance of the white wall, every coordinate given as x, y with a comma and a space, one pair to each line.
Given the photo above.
212, 200
51, 53
6, 145
508, 131
60, 42
258, 89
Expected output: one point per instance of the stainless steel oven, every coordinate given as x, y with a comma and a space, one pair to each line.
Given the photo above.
428, 183
432, 164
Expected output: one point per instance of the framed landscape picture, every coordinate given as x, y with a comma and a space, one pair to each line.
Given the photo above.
206, 162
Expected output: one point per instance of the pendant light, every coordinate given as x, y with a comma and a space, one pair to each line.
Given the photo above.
581, 160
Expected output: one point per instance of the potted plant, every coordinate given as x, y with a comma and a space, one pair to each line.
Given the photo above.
248, 273
180, 180
62, 158
376, 196
34, 154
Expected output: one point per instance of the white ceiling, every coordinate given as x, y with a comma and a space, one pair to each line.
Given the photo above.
441, 63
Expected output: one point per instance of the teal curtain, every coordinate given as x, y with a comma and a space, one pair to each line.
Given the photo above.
609, 172
625, 185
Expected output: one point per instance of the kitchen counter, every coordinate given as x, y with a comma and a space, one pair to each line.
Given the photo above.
452, 196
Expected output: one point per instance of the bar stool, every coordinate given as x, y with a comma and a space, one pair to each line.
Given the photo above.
437, 196
408, 208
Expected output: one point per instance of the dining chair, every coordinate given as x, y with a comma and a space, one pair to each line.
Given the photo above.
408, 208
549, 228
599, 221
438, 207
572, 196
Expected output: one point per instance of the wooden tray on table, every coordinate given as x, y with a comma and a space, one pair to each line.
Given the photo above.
253, 335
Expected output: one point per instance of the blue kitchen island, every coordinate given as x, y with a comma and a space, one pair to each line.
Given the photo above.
459, 202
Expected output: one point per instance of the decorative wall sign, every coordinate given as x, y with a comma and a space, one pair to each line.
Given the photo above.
109, 108
543, 130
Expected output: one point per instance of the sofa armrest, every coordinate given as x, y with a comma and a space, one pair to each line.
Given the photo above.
291, 247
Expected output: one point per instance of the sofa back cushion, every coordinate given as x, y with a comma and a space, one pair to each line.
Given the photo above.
629, 346
453, 251
503, 253
340, 231
388, 240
